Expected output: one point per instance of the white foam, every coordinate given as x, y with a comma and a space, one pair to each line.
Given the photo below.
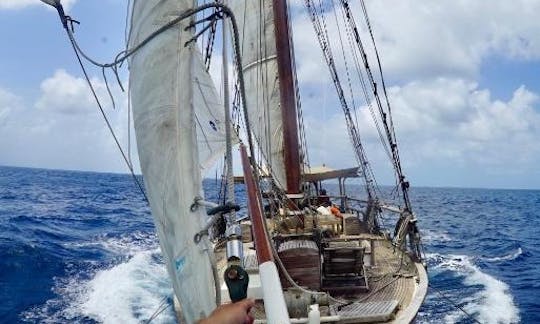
128, 292
493, 304
431, 236
509, 257
454, 317
127, 245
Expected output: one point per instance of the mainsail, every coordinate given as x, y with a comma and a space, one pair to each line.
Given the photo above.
259, 65
180, 131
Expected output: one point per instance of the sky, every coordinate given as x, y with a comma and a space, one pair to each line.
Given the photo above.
463, 79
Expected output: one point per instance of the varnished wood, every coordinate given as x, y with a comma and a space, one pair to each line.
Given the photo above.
302, 261
262, 246
291, 148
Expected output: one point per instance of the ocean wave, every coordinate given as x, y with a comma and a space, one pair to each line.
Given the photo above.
492, 304
128, 292
431, 236
508, 257
126, 244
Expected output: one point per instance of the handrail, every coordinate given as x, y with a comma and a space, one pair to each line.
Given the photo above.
391, 208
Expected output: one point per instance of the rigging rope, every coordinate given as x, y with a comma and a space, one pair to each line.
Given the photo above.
453, 303
364, 10
347, 73
385, 115
105, 118
162, 307
304, 153
365, 91
126, 53
210, 41
319, 23
323, 38
353, 103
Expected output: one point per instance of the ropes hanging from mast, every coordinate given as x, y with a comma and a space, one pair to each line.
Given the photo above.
322, 35
220, 11
304, 153
386, 115
385, 128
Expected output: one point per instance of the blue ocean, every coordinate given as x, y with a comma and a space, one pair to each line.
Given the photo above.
80, 247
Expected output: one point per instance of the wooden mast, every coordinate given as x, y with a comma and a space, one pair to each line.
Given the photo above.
291, 148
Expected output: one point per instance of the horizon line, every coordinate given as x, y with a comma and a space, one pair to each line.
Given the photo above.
442, 186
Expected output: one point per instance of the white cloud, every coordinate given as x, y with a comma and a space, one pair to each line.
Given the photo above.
8, 103
425, 39
450, 130
443, 121
21, 4
458, 120
64, 128
67, 94
432, 52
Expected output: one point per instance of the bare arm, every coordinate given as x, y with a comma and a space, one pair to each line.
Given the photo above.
237, 313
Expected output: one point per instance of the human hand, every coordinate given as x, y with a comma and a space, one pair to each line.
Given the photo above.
236, 313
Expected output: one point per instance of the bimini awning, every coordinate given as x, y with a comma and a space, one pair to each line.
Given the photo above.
322, 173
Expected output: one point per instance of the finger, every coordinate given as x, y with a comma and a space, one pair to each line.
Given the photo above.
246, 304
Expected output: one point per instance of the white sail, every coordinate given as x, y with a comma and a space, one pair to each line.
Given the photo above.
180, 131
209, 117
258, 50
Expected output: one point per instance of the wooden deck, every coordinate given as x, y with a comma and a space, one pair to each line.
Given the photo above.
397, 287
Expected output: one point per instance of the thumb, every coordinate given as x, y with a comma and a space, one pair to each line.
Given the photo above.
246, 304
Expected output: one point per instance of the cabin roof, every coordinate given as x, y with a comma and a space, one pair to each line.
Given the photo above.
320, 173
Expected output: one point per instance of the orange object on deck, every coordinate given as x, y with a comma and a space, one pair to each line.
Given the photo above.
335, 211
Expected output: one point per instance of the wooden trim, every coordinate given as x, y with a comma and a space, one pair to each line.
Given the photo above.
260, 239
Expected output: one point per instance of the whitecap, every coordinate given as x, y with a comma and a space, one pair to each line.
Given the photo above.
127, 245
492, 304
435, 236
508, 257
127, 292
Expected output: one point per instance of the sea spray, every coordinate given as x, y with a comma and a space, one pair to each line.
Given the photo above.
492, 303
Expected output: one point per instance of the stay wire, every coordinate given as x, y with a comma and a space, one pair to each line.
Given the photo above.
106, 119
453, 303
160, 309
319, 23
345, 61
366, 16
125, 54
360, 74
301, 127
370, 170
384, 115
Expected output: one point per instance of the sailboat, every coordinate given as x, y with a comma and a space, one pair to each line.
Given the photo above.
304, 256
